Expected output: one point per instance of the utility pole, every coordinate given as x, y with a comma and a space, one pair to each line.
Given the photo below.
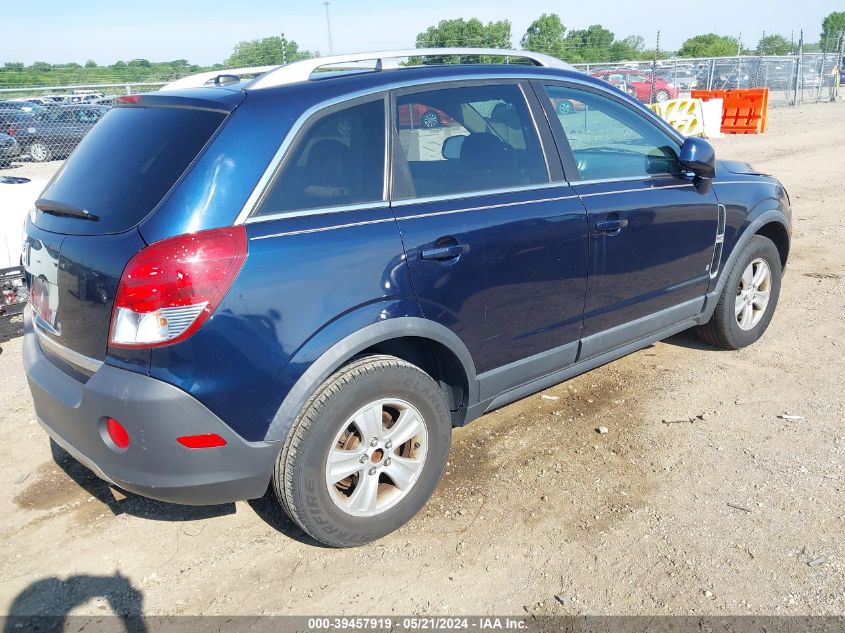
799, 61
654, 67
284, 50
328, 26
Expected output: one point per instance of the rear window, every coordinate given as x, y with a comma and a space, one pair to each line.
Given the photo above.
126, 165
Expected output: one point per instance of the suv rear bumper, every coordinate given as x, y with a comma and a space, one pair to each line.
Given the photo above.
154, 414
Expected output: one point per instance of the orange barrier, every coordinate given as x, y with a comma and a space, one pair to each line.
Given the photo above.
743, 111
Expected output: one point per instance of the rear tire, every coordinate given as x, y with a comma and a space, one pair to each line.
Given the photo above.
334, 475
740, 317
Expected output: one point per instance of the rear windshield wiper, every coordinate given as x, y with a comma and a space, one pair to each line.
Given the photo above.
60, 208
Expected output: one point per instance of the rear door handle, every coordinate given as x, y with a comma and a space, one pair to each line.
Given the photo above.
613, 225
441, 253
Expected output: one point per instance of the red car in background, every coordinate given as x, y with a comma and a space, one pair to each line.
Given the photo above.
638, 84
423, 117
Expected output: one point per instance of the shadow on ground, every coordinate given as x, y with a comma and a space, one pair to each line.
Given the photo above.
133, 505
267, 507
45, 605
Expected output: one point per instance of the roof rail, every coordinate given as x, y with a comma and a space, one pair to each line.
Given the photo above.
270, 76
202, 79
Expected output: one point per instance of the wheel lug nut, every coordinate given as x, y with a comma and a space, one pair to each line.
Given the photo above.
388, 444
387, 461
363, 459
374, 441
372, 470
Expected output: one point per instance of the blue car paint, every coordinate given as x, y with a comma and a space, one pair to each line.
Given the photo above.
659, 259
518, 288
284, 313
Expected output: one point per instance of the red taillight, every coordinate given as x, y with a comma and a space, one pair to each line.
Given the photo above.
209, 440
128, 99
117, 433
170, 288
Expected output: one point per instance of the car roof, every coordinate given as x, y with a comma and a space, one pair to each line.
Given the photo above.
349, 83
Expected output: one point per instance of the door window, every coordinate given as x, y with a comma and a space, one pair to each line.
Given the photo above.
457, 140
610, 140
338, 161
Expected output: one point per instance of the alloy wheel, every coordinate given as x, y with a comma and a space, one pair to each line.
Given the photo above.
376, 457
752, 294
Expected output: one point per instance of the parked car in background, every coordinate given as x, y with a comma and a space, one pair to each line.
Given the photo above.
86, 97
640, 84
682, 79
9, 149
107, 101
423, 117
11, 121
567, 106
23, 106
56, 132
17, 197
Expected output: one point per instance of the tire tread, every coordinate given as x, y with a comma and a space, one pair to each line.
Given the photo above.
285, 474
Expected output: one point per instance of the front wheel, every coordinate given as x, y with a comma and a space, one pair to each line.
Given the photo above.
748, 299
365, 453
661, 95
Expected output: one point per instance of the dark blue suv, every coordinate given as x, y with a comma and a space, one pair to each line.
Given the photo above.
298, 280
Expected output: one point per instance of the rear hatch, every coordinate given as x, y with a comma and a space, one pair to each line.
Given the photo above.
82, 231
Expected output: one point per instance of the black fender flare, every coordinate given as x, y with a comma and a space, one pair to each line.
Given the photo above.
346, 348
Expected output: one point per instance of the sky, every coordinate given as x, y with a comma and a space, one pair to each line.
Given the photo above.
205, 31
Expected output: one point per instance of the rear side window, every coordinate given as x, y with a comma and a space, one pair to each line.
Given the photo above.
338, 161
457, 140
127, 163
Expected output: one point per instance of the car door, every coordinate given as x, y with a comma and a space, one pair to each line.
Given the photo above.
495, 238
652, 229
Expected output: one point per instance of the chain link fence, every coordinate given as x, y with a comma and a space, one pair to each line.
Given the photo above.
791, 79
46, 123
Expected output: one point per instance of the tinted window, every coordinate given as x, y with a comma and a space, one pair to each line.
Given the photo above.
88, 116
127, 163
457, 140
339, 160
610, 140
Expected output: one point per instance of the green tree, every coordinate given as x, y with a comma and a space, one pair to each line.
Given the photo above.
266, 51
90, 64
629, 48
546, 34
589, 45
709, 45
466, 33
832, 27
774, 45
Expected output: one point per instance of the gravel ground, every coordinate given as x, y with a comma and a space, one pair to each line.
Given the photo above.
699, 500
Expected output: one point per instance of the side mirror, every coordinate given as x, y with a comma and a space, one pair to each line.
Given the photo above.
451, 149
698, 157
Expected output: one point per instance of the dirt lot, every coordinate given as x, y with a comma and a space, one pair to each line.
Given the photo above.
699, 500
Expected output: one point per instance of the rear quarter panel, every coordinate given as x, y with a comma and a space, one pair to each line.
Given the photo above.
301, 276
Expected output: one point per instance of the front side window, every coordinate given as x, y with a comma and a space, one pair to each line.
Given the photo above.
610, 140
457, 140
337, 161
